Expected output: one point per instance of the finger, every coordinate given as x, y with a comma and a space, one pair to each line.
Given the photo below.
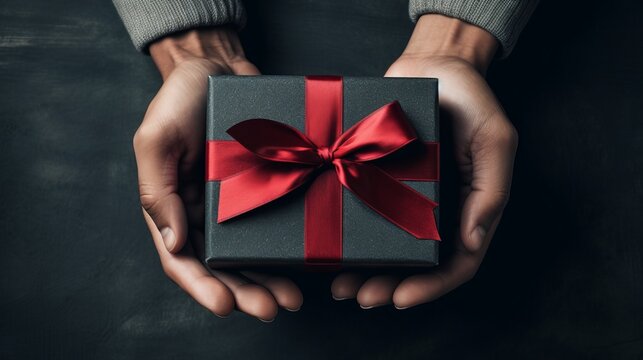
422, 288
283, 289
157, 162
346, 285
252, 299
245, 68
186, 271
493, 150
377, 291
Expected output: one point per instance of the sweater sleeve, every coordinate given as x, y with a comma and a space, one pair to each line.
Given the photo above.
504, 19
149, 20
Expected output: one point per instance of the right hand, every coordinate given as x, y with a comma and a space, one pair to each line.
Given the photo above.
169, 147
485, 141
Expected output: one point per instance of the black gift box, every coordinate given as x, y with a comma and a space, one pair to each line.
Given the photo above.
272, 235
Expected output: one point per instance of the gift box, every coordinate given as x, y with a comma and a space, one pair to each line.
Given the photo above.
321, 170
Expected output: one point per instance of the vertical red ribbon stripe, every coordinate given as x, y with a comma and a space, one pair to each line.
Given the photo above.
323, 205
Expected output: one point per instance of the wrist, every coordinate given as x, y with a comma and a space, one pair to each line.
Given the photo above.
220, 45
441, 36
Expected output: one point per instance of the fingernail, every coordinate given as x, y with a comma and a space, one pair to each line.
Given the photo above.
401, 307
338, 298
168, 237
292, 310
266, 321
369, 307
478, 236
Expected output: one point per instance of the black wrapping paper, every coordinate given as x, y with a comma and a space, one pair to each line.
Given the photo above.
272, 235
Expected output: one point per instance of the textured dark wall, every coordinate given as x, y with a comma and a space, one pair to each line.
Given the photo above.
79, 277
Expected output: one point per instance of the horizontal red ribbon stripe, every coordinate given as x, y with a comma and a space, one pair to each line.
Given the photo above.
227, 157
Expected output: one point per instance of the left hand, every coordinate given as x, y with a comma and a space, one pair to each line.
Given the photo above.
485, 142
169, 148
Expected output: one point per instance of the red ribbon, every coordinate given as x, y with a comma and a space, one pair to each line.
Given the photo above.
270, 159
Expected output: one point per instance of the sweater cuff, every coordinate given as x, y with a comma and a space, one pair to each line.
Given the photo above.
504, 19
149, 20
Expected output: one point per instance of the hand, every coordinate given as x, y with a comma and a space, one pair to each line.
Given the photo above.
169, 147
485, 144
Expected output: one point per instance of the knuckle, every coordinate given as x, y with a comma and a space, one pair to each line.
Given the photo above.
466, 270
498, 200
503, 198
161, 134
514, 133
468, 277
168, 270
394, 71
508, 136
143, 135
148, 201
470, 273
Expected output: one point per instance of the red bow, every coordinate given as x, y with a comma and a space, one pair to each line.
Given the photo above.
291, 159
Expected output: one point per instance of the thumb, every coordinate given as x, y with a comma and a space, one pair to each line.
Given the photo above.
157, 161
493, 149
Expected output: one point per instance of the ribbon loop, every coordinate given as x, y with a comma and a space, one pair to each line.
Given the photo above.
275, 141
382, 132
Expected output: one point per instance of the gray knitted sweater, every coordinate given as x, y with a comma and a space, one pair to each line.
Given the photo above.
148, 20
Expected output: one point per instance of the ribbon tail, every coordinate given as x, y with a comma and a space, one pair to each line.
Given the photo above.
258, 186
395, 201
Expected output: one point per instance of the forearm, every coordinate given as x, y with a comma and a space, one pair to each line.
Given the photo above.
439, 35
504, 19
149, 20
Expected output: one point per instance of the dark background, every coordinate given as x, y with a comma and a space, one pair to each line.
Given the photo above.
81, 279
